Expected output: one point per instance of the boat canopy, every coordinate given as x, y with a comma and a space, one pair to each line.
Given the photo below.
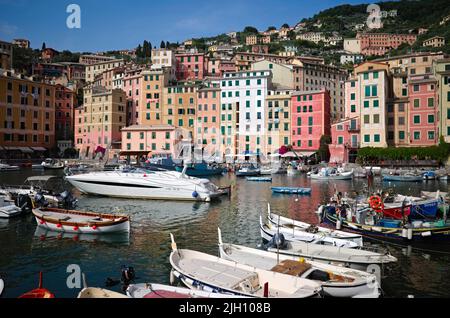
41, 178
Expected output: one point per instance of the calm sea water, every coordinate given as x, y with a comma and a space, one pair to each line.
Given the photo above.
25, 250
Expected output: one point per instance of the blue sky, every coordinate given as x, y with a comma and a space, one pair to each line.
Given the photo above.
114, 24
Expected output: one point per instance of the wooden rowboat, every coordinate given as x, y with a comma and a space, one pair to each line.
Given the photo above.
209, 273
81, 222
99, 293
171, 292
39, 292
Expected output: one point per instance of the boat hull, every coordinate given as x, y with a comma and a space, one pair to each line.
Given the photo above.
117, 190
402, 178
283, 190
392, 234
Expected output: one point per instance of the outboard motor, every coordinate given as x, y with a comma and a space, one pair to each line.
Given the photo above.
40, 200
66, 200
128, 274
278, 241
24, 202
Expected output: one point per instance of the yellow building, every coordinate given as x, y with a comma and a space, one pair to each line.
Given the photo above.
153, 83
180, 103
27, 113
442, 73
278, 120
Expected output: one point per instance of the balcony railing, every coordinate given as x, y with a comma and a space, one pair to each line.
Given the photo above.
353, 128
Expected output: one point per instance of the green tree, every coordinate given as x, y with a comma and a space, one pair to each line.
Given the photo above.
44, 46
251, 30
271, 28
163, 45
285, 26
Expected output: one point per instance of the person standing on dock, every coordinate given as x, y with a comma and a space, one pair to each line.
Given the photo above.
370, 179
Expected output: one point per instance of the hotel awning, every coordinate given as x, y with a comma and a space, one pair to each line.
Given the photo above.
39, 148
134, 153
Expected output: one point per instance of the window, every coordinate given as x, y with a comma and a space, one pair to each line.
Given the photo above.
366, 138
367, 91
376, 138
376, 103
366, 104
416, 103
417, 135
401, 135
353, 108
259, 82
431, 119
375, 75
366, 76
404, 92
340, 140
416, 88
376, 119
366, 119
431, 102
353, 96
416, 119
431, 135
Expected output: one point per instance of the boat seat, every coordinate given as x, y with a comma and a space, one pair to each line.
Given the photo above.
293, 268
249, 284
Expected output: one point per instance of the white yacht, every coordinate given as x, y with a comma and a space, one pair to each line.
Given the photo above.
6, 167
144, 184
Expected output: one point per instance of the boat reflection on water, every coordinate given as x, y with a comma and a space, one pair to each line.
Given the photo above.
46, 235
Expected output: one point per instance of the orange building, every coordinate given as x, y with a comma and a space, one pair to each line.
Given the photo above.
27, 113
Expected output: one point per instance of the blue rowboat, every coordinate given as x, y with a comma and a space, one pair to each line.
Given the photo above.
402, 178
285, 190
259, 179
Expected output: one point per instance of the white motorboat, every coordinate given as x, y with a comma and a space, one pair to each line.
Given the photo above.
92, 292
332, 174
269, 231
2, 286
9, 209
78, 222
142, 184
290, 224
36, 185
293, 171
435, 195
53, 164
164, 291
7, 167
336, 281
212, 274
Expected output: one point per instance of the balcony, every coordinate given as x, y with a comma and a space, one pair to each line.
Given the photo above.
353, 129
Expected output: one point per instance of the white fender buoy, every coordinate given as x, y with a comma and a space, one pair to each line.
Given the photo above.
410, 234
338, 224
405, 233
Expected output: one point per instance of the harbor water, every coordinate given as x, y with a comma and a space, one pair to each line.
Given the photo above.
26, 250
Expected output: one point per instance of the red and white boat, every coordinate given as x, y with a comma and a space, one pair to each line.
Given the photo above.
77, 222
39, 292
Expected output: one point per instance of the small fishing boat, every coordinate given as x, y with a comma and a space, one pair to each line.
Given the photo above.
248, 171
164, 291
268, 231
435, 195
23, 205
336, 281
293, 171
356, 258
371, 224
429, 175
212, 274
286, 190
7, 167
402, 178
259, 179
39, 292
443, 178
60, 220
277, 220
53, 164
332, 174
92, 292
266, 171
201, 170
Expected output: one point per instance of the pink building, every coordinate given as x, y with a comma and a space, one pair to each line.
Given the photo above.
310, 117
381, 43
158, 140
345, 141
131, 86
423, 111
64, 113
191, 66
